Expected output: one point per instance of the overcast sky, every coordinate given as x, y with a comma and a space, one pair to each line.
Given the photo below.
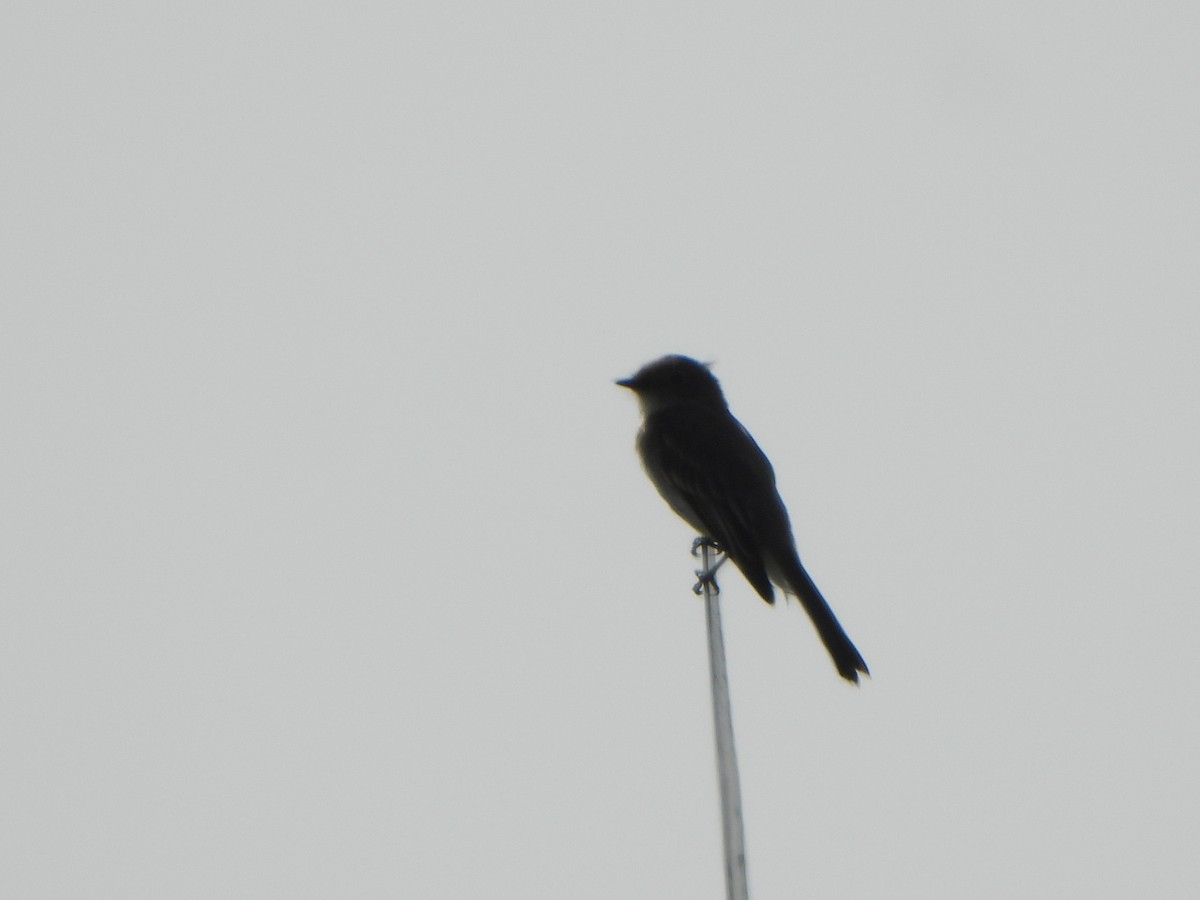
327, 566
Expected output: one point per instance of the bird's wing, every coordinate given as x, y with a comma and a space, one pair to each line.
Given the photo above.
710, 470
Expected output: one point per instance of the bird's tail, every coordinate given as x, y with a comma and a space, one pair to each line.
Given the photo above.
845, 655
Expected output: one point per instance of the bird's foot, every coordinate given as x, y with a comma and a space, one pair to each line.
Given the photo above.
707, 578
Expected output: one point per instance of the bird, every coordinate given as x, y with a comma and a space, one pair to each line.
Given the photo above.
713, 474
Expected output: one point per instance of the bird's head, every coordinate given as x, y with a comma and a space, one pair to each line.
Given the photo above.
674, 380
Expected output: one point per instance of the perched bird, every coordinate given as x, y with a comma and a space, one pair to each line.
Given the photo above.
711, 472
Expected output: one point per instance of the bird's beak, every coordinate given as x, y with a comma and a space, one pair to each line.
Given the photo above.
626, 383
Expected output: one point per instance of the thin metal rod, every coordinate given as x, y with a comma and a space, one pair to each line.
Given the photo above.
727, 770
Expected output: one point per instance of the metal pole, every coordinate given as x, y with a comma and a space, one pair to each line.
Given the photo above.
727, 770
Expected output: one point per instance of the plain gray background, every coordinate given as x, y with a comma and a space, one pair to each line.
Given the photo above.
327, 568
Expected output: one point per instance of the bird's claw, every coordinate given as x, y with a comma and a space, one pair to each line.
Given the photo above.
707, 577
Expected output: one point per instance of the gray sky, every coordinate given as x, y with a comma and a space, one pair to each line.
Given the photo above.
327, 568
